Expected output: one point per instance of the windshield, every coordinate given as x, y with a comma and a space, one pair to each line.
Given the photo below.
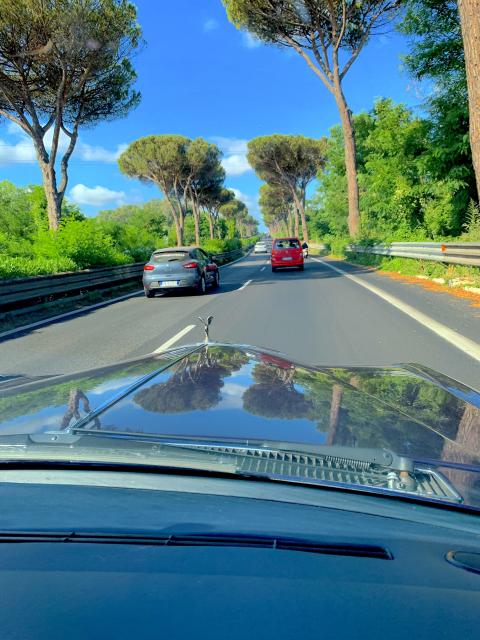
289, 264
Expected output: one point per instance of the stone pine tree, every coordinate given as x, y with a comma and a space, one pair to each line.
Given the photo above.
161, 160
329, 35
65, 64
290, 162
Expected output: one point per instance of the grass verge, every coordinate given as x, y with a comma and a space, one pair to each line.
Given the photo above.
452, 274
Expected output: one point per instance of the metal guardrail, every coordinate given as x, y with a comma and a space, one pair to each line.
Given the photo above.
43, 288
449, 252
229, 256
20, 292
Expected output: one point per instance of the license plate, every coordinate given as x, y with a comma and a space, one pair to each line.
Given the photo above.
168, 283
287, 258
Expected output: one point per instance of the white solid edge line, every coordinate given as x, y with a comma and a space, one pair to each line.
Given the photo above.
68, 314
245, 284
166, 345
469, 347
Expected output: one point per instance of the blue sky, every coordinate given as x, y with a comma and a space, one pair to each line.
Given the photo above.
199, 76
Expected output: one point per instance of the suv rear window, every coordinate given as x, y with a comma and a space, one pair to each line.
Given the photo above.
288, 243
174, 256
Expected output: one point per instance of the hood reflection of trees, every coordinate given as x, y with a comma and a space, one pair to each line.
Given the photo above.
274, 395
195, 385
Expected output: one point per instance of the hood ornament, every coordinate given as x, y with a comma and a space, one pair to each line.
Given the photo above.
206, 326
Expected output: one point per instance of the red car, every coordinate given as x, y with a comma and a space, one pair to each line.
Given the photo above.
287, 252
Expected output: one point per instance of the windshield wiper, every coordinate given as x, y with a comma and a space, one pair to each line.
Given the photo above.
346, 467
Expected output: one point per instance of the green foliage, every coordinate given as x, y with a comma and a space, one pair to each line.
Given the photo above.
436, 54
137, 230
28, 248
20, 267
472, 223
83, 242
221, 246
401, 196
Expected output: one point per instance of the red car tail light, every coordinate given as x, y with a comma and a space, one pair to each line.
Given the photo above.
190, 265
148, 267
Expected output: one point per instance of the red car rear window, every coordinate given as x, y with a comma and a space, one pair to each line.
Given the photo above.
287, 243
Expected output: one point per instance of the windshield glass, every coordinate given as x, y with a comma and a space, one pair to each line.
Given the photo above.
292, 264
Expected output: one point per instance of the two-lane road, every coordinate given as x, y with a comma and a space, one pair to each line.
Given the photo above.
317, 316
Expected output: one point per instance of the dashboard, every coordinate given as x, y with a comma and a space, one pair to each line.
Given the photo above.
132, 555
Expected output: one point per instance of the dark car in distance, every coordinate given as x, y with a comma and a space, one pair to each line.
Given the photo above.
180, 268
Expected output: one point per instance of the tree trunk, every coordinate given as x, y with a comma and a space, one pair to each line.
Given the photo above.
179, 231
350, 161
301, 209
211, 227
54, 200
196, 220
296, 220
335, 406
465, 450
470, 22
178, 221
290, 223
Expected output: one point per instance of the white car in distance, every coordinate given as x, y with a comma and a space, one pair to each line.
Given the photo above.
260, 247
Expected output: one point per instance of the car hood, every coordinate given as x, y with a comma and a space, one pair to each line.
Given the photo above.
239, 393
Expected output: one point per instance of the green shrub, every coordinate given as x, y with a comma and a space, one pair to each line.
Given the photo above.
337, 244
221, 246
83, 241
19, 267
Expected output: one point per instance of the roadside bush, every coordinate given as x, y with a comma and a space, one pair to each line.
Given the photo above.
336, 244
19, 267
83, 242
247, 242
221, 246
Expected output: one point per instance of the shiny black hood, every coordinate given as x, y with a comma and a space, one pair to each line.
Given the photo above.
237, 393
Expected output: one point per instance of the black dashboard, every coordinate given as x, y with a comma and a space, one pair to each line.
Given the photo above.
106, 555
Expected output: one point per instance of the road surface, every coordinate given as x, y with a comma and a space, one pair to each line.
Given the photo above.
317, 316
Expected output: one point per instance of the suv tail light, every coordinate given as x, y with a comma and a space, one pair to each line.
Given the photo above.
190, 265
148, 267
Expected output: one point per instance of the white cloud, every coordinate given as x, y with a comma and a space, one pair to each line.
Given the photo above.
236, 165
23, 150
235, 161
96, 196
210, 25
250, 201
231, 145
250, 41
91, 153
16, 153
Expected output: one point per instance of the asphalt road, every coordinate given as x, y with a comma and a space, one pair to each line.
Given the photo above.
317, 316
